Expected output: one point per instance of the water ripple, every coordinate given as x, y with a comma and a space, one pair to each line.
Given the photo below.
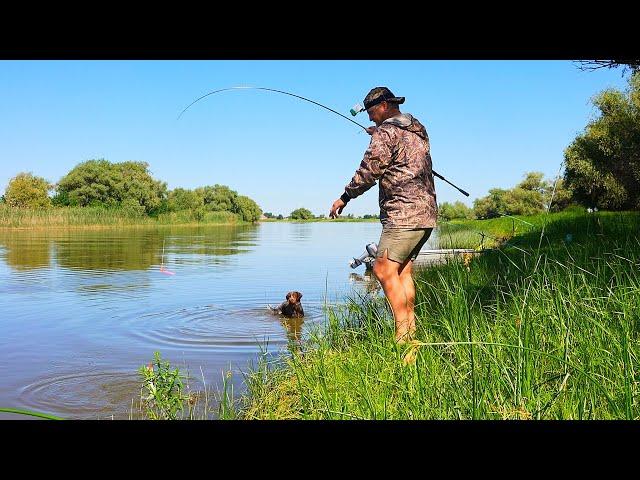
216, 327
83, 395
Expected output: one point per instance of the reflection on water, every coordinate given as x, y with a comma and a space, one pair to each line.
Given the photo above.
293, 327
366, 281
82, 310
123, 249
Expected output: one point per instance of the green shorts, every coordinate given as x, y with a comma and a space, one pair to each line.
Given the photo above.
402, 243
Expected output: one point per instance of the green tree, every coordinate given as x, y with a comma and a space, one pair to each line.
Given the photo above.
102, 183
492, 205
183, 199
559, 199
448, 211
602, 165
531, 196
25, 190
88, 183
533, 181
248, 210
301, 214
218, 198
136, 185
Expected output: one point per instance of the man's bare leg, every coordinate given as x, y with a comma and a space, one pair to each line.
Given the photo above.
387, 273
406, 278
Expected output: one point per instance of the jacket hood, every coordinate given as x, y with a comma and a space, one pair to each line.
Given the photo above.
407, 122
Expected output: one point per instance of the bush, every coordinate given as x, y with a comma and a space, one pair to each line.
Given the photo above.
162, 387
28, 191
301, 214
448, 211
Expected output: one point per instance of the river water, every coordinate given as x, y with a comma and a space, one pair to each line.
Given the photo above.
82, 310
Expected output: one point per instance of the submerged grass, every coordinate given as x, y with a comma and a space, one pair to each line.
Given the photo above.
544, 327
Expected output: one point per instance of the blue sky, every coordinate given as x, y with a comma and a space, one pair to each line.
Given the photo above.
489, 122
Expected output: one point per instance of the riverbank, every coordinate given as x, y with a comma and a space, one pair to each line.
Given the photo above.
93, 218
543, 327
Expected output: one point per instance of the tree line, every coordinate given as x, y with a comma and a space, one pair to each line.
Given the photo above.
601, 167
128, 186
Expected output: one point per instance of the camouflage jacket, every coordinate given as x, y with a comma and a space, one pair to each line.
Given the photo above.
399, 157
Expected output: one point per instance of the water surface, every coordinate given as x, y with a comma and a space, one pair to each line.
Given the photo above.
82, 310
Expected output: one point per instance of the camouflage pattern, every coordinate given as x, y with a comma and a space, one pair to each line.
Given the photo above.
399, 157
380, 94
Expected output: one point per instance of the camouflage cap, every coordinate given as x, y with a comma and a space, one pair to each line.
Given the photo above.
380, 94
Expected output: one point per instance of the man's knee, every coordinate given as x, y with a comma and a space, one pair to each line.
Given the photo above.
383, 268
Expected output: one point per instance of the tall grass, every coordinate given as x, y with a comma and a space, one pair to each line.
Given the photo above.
544, 327
98, 217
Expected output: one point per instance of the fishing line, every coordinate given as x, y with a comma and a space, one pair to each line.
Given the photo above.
162, 267
436, 174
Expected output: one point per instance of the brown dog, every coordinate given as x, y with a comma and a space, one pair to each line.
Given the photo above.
291, 307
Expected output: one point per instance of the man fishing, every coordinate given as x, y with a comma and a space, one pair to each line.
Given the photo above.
399, 158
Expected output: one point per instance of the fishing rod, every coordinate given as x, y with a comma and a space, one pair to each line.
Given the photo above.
315, 103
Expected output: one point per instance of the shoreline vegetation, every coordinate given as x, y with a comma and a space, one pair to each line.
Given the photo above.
99, 217
543, 326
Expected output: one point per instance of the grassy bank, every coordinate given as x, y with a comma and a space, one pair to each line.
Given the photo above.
101, 217
544, 327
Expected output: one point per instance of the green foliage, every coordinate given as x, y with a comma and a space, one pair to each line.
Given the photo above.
561, 198
491, 206
183, 199
162, 390
369, 216
301, 214
447, 211
218, 198
25, 190
603, 163
106, 184
248, 210
530, 197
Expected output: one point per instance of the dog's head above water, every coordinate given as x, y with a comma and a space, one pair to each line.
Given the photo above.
292, 307
293, 297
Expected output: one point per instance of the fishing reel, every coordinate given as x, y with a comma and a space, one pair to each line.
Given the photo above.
368, 257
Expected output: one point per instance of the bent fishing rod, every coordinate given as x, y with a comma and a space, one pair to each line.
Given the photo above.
436, 174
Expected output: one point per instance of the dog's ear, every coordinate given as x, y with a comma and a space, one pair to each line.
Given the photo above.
288, 295
299, 295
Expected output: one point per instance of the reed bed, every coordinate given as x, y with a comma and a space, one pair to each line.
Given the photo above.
102, 217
